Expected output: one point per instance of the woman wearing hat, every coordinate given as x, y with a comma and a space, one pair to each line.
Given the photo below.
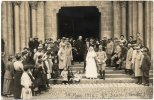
18, 67
8, 77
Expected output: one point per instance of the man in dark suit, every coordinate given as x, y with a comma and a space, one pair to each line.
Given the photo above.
36, 42
80, 49
145, 66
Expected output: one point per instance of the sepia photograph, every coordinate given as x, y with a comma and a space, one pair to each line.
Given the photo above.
69, 49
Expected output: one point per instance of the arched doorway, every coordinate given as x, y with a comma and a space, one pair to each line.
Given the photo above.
79, 20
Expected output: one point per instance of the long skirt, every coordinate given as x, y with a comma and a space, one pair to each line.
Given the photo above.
91, 69
17, 85
6, 86
26, 93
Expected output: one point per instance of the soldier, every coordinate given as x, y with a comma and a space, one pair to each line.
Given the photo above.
145, 66
101, 61
123, 56
109, 51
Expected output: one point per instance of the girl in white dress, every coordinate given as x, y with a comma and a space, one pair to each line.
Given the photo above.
91, 68
26, 84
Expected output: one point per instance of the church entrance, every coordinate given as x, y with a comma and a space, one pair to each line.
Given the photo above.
79, 20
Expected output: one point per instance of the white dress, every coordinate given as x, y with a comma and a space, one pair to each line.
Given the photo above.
91, 69
26, 82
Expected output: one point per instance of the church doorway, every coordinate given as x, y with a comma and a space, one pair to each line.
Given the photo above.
79, 20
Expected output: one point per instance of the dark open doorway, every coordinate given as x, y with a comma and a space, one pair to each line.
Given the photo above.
80, 20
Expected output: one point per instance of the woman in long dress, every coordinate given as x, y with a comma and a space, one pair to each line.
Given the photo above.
91, 68
8, 77
18, 70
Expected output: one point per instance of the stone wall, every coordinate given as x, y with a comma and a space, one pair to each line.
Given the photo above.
31, 18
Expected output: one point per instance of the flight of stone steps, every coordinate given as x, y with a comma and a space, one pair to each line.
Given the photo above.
112, 76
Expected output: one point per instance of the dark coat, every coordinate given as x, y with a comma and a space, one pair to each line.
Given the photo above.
146, 63
31, 45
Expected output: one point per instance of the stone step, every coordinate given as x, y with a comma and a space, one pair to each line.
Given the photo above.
119, 75
98, 91
77, 68
98, 81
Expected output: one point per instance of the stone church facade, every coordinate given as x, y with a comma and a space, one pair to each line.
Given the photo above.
24, 19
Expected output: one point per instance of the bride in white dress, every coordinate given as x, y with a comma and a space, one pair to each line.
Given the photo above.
91, 68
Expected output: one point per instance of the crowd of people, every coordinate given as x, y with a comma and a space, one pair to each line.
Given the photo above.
31, 69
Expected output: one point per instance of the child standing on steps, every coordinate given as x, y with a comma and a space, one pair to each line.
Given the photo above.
64, 74
26, 84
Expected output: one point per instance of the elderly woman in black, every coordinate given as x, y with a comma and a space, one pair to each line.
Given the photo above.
18, 70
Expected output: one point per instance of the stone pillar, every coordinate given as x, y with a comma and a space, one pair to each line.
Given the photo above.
4, 25
40, 21
147, 24
17, 30
33, 5
54, 23
10, 28
151, 32
48, 20
134, 10
101, 24
22, 25
123, 15
27, 22
130, 19
140, 18
106, 19
116, 19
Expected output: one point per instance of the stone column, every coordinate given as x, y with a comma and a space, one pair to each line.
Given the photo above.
106, 19
54, 23
134, 10
22, 25
4, 25
151, 32
33, 5
140, 18
48, 20
116, 19
130, 19
123, 15
101, 24
10, 28
147, 23
27, 22
40, 21
17, 30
